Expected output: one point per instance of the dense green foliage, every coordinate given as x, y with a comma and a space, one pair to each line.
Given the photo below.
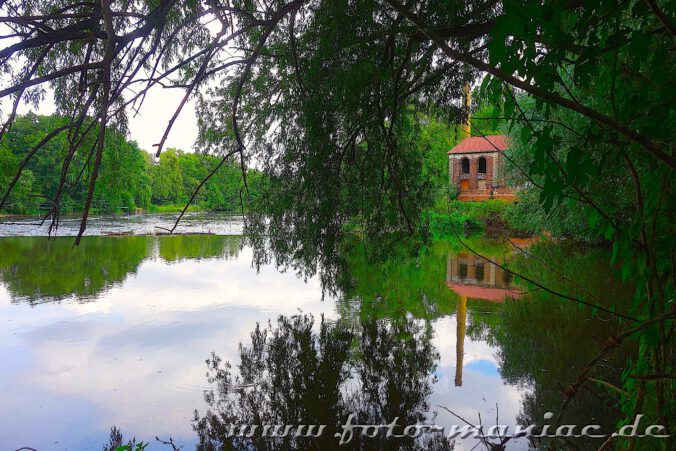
457, 218
598, 155
128, 178
124, 181
588, 183
178, 175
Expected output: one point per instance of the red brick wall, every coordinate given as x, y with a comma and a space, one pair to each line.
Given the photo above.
474, 192
473, 171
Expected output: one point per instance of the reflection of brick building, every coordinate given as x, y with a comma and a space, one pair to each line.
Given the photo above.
473, 277
475, 167
476, 278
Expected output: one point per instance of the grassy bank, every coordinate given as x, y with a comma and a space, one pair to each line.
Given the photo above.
175, 208
465, 218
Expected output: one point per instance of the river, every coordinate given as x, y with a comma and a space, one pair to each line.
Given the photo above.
133, 331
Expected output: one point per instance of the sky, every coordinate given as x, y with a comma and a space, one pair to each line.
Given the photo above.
160, 104
148, 126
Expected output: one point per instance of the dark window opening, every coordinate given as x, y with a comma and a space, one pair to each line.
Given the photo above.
462, 269
509, 278
482, 165
479, 272
464, 165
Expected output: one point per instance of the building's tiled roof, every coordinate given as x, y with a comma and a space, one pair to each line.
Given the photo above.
487, 294
489, 143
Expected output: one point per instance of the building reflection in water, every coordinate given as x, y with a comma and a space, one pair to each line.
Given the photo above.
474, 277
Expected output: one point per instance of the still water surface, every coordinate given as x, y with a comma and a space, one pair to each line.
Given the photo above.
117, 332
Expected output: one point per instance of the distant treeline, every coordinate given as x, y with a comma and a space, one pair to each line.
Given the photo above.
129, 178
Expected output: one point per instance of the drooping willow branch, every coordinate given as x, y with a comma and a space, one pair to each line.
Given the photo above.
548, 96
121, 49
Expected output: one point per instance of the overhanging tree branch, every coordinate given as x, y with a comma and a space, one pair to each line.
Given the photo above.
547, 96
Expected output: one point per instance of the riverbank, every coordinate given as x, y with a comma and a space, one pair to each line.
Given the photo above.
459, 218
467, 218
170, 208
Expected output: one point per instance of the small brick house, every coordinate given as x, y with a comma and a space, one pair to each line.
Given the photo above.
475, 167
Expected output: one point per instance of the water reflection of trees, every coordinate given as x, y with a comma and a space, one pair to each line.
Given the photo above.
198, 247
544, 342
36, 270
405, 283
298, 372
541, 342
545, 350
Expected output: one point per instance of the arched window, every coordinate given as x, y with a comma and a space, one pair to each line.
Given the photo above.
482, 165
479, 272
464, 166
462, 269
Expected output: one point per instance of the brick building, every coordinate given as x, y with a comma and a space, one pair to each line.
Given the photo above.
475, 166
